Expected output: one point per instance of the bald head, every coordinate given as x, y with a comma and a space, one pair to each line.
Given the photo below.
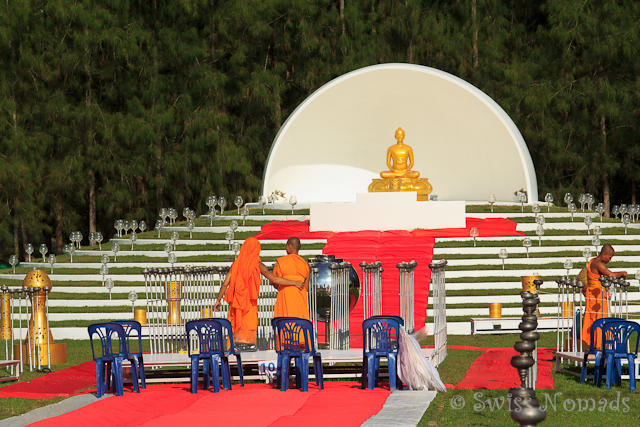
607, 250
293, 245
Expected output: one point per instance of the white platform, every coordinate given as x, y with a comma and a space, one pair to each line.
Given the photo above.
386, 211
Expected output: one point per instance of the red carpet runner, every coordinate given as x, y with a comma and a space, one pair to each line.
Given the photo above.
391, 248
62, 383
493, 370
255, 405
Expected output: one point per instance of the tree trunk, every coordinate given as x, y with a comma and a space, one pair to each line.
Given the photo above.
23, 233
92, 203
606, 193
59, 236
16, 242
633, 191
474, 24
342, 17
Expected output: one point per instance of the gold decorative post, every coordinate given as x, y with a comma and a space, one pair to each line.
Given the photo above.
400, 177
173, 292
39, 338
5, 315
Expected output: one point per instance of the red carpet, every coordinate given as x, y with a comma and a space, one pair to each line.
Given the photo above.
391, 248
63, 383
493, 370
489, 227
255, 405
286, 229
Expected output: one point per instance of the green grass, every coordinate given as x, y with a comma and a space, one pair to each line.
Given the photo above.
441, 412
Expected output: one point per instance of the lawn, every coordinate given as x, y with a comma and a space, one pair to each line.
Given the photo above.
481, 407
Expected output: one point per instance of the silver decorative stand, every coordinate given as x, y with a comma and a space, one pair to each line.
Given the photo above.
407, 294
339, 321
372, 288
439, 304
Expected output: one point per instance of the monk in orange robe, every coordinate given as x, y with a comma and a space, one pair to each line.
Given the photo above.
292, 300
596, 296
241, 288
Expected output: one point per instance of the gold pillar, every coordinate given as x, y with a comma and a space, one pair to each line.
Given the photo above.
528, 285
567, 309
495, 310
207, 313
39, 335
140, 316
173, 292
5, 316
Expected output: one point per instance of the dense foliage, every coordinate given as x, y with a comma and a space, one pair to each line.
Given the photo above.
114, 108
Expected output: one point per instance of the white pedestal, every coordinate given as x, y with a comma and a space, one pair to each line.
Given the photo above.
386, 211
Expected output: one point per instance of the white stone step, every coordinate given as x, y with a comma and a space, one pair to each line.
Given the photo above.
579, 262
162, 241
584, 238
517, 273
532, 250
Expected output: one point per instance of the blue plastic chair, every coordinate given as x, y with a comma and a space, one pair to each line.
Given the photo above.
378, 341
228, 337
288, 335
616, 346
137, 361
274, 326
210, 351
111, 335
597, 325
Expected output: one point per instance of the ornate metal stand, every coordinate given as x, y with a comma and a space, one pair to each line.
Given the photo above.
407, 294
524, 406
439, 311
339, 320
372, 288
180, 294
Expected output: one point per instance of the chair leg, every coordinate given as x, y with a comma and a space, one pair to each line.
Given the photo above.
134, 375
599, 369
371, 374
143, 377
215, 372
304, 371
609, 362
298, 371
240, 369
117, 373
363, 375
206, 373
99, 378
583, 373
319, 371
195, 364
226, 373
618, 371
108, 383
284, 380
391, 361
631, 359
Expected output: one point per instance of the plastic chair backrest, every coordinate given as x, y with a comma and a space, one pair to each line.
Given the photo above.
109, 334
209, 336
625, 331
289, 331
227, 332
612, 336
599, 324
131, 326
378, 333
398, 318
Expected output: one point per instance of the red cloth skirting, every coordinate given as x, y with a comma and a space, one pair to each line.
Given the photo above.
62, 383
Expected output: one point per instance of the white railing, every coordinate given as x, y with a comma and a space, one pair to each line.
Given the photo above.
439, 311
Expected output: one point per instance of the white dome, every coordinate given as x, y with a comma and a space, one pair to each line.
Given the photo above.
336, 141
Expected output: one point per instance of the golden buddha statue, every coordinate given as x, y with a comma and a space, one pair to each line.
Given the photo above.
400, 177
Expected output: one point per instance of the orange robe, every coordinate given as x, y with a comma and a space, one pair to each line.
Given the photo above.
291, 301
595, 306
242, 294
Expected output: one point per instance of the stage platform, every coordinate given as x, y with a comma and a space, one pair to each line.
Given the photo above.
577, 357
8, 363
252, 362
386, 211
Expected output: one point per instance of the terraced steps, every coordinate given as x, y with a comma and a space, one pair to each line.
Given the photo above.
474, 274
